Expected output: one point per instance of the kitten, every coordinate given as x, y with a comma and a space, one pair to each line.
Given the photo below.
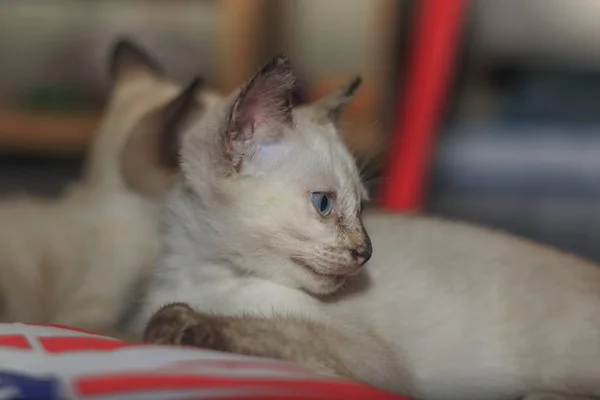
265, 227
76, 260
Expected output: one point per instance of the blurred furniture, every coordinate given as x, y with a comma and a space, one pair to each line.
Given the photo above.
62, 46
520, 152
438, 32
65, 53
22, 131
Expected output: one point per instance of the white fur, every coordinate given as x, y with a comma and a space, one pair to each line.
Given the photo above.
469, 313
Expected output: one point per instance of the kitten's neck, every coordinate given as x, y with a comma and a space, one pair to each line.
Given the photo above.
191, 239
199, 246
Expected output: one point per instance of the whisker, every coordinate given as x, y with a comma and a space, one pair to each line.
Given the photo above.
377, 179
374, 152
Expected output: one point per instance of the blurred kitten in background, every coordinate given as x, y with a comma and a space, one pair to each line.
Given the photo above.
78, 259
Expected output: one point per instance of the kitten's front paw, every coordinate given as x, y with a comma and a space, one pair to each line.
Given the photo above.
178, 323
168, 324
206, 334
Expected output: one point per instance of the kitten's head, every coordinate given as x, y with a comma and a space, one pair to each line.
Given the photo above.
277, 187
128, 148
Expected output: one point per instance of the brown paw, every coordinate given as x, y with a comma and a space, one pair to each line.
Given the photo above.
178, 323
166, 326
206, 334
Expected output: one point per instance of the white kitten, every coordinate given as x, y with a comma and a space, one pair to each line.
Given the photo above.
77, 259
266, 223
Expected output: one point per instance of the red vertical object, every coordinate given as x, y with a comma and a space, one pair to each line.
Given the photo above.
437, 35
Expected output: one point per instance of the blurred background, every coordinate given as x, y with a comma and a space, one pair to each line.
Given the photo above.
513, 131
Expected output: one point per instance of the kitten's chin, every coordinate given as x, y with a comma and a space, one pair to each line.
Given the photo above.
318, 283
324, 285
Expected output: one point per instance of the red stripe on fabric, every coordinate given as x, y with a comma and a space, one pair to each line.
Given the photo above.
58, 344
58, 326
297, 396
63, 344
239, 364
15, 342
122, 384
267, 396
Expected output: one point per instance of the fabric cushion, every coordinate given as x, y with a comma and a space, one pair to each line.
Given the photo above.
56, 362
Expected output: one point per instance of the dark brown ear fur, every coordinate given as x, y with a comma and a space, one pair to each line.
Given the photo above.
330, 107
150, 158
174, 120
128, 59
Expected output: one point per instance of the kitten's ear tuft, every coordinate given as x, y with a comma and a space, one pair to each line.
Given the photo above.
150, 159
353, 86
128, 59
330, 107
264, 103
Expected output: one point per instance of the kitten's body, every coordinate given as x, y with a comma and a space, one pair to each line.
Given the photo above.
76, 259
79, 258
482, 314
442, 311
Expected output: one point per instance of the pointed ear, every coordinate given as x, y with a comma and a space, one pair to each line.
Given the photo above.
330, 107
175, 118
261, 111
128, 59
150, 159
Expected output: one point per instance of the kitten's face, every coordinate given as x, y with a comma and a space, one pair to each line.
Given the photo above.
287, 186
306, 194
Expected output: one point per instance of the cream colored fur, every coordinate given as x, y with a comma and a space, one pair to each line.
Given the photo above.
77, 259
443, 310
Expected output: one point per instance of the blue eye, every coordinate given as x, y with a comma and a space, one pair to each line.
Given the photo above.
323, 202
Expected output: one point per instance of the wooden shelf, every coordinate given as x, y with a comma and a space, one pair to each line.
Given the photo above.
46, 133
